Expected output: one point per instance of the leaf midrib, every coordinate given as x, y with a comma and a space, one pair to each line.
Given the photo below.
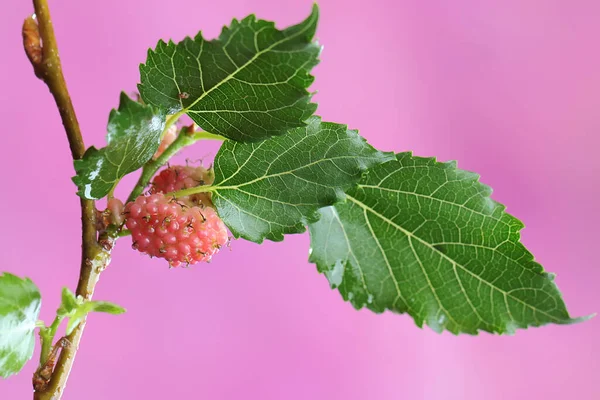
218, 187
239, 69
453, 262
442, 201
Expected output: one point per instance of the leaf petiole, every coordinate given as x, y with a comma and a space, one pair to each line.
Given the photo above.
193, 190
171, 120
207, 136
111, 193
124, 232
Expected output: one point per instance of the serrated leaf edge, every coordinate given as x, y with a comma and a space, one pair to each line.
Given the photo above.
143, 67
436, 327
300, 227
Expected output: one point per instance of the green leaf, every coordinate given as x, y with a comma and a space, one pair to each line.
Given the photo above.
274, 187
247, 85
424, 238
20, 303
76, 308
91, 306
105, 307
68, 304
134, 132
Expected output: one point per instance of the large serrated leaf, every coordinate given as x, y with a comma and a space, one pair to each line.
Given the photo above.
247, 85
274, 187
423, 237
134, 132
20, 303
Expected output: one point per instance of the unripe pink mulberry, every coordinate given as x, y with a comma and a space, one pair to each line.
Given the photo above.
180, 177
165, 228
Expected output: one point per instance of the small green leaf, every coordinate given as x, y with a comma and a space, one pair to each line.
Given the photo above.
274, 187
247, 85
20, 303
134, 132
424, 238
92, 306
105, 307
69, 303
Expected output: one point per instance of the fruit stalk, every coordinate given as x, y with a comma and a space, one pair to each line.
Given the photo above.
95, 253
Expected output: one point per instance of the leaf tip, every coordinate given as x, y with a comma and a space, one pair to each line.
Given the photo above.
123, 98
314, 12
578, 320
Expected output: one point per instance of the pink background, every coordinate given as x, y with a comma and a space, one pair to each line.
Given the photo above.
510, 88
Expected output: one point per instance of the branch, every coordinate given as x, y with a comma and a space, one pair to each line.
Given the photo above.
48, 68
41, 49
